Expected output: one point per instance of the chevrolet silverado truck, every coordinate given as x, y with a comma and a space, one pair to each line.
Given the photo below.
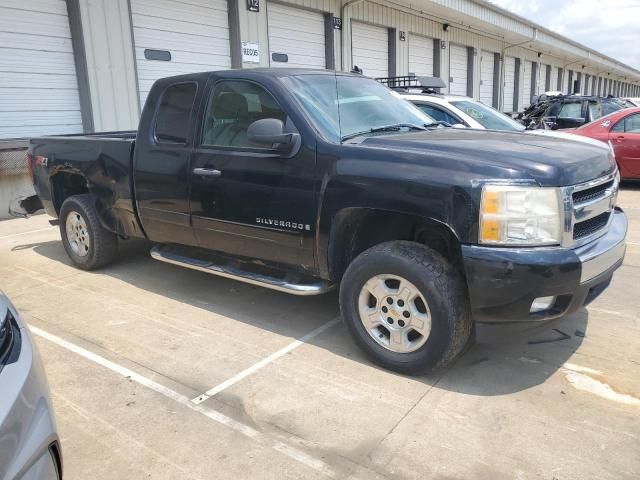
302, 180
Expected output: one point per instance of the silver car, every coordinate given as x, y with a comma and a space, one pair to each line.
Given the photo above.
29, 442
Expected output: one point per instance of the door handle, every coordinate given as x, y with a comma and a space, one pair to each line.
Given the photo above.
207, 172
620, 138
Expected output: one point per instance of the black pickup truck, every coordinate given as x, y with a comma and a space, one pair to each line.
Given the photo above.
301, 180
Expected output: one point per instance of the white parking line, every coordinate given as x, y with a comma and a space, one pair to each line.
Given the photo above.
25, 233
246, 430
264, 362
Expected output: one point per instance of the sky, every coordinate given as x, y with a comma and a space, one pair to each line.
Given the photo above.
611, 27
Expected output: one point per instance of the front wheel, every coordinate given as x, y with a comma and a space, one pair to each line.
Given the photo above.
406, 307
89, 245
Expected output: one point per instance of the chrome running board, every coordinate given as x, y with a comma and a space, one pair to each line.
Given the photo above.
240, 270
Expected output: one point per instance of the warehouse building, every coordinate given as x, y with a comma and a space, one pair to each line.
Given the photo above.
68, 66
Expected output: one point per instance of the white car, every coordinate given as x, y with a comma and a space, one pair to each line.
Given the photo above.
465, 112
632, 102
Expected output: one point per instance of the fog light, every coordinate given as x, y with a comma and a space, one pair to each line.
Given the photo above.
541, 304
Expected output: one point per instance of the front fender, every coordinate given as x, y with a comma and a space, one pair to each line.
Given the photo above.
448, 205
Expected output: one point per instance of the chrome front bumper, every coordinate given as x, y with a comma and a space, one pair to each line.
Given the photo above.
606, 252
504, 282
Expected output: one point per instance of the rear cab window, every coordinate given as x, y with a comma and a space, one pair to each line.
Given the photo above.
174, 113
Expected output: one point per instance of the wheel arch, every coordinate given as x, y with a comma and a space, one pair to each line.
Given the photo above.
65, 184
357, 229
68, 183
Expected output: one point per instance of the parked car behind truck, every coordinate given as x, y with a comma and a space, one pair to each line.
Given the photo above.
620, 130
29, 441
460, 111
557, 111
302, 180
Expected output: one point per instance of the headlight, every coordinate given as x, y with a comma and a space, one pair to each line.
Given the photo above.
520, 215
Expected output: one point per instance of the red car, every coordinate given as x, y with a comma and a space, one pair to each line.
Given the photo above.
622, 130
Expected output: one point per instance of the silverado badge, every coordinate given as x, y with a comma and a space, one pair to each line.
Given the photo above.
272, 222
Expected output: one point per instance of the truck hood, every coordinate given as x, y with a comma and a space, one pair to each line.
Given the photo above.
550, 161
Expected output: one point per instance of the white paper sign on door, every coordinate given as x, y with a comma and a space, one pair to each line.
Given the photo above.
250, 52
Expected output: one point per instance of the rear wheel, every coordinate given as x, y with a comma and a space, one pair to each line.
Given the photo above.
406, 306
89, 245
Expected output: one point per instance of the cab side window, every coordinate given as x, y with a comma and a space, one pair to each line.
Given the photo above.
174, 113
618, 127
632, 123
234, 105
571, 110
438, 114
594, 110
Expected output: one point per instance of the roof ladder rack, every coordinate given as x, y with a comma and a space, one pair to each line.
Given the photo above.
406, 82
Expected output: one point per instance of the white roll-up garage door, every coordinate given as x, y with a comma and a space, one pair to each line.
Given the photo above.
487, 63
195, 33
541, 78
296, 37
553, 85
509, 83
420, 55
38, 83
525, 94
457, 70
586, 79
370, 49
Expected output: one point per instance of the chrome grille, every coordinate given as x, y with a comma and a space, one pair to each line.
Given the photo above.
588, 209
591, 193
591, 226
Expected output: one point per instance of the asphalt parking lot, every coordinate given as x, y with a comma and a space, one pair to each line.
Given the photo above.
162, 372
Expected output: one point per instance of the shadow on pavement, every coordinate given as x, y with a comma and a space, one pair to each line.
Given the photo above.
504, 359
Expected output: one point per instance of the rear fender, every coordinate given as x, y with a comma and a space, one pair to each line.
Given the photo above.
69, 182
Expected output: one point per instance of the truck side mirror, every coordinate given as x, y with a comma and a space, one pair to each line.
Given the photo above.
269, 133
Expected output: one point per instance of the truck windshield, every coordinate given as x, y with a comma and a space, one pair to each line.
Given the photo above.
487, 116
343, 106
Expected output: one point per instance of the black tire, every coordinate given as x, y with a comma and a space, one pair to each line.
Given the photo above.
103, 244
440, 284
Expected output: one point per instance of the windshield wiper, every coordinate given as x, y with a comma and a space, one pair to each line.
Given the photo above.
437, 123
387, 128
396, 127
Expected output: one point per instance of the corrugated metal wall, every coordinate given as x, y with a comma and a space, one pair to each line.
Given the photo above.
112, 79
107, 36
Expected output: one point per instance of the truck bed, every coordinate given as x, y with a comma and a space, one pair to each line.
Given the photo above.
104, 159
120, 134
